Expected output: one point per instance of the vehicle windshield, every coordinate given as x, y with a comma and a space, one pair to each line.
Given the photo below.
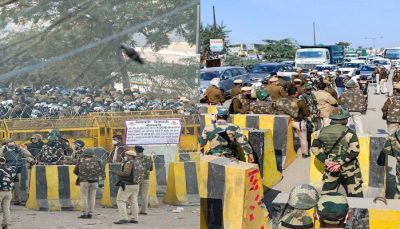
309, 54
263, 69
351, 65
367, 68
210, 75
380, 62
392, 54
322, 68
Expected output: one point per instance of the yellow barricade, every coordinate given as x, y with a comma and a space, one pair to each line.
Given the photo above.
230, 194
182, 183
194, 156
52, 188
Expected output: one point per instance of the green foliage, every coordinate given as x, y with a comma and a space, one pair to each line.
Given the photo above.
210, 32
344, 44
278, 50
248, 64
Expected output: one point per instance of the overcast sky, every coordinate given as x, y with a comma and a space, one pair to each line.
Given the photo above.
336, 20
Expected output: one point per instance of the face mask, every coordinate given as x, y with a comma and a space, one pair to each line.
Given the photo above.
114, 142
89, 101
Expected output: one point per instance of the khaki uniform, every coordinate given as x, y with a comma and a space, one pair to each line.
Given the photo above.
396, 77
214, 95
235, 91
332, 92
325, 104
239, 105
345, 153
276, 92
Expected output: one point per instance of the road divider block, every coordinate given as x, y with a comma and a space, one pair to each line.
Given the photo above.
193, 156
231, 194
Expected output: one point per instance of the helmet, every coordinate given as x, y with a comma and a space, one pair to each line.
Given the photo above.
52, 138
80, 143
341, 114
262, 95
297, 219
351, 84
222, 112
54, 132
28, 89
308, 86
18, 91
303, 197
332, 207
89, 152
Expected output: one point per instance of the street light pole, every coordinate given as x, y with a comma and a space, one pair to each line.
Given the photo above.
373, 39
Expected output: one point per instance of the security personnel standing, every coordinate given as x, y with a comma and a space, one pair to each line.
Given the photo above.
14, 157
236, 90
392, 148
312, 121
214, 94
131, 175
240, 104
262, 105
36, 145
89, 170
396, 76
119, 148
275, 90
337, 147
7, 175
332, 211
79, 148
391, 110
353, 101
144, 186
51, 153
222, 136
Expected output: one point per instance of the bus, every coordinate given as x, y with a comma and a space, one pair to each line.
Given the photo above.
393, 54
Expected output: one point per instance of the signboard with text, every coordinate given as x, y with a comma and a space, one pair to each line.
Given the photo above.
153, 131
216, 45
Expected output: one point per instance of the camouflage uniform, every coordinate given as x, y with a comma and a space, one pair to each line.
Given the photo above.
345, 153
77, 154
332, 208
218, 145
261, 107
396, 76
353, 101
392, 148
50, 155
391, 112
88, 170
144, 186
7, 177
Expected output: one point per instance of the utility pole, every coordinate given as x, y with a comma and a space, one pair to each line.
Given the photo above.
215, 20
373, 39
198, 29
315, 41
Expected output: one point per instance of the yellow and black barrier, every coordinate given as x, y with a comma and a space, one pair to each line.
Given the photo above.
193, 156
264, 155
52, 188
230, 194
208, 109
281, 129
374, 176
182, 185
109, 198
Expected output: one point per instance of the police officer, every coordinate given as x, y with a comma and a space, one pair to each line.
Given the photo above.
14, 157
213, 94
353, 101
131, 176
396, 75
240, 104
51, 153
391, 110
236, 90
332, 211
79, 148
392, 148
337, 147
275, 90
222, 135
326, 103
88, 170
144, 186
119, 148
36, 145
312, 120
301, 198
7, 175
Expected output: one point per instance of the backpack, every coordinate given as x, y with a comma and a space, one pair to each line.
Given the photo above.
137, 171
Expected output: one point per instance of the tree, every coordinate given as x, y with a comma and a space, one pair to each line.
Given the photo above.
343, 44
55, 27
278, 50
210, 32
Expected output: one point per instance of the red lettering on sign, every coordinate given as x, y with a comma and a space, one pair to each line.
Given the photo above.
251, 217
257, 198
251, 173
252, 208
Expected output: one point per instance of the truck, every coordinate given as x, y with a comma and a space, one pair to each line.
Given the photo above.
393, 54
308, 57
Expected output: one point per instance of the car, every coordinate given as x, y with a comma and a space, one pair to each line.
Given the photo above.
383, 62
226, 74
291, 62
349, 68
321, 68
367, 70
263, 71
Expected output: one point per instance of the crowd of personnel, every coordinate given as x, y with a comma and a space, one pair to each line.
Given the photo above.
322, 107
89, 168
50, 102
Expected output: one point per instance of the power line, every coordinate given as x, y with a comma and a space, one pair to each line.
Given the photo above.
95, 44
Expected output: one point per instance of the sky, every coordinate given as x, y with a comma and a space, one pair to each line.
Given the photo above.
252, 21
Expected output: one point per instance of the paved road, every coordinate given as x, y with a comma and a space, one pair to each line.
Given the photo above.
298, 172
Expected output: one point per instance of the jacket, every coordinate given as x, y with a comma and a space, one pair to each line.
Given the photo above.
325, 103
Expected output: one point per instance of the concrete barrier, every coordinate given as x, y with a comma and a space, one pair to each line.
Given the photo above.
374, 176
109, 197
208, 109
182, 188
280, 125
194, 156
365, 213
230, 194
52, 188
